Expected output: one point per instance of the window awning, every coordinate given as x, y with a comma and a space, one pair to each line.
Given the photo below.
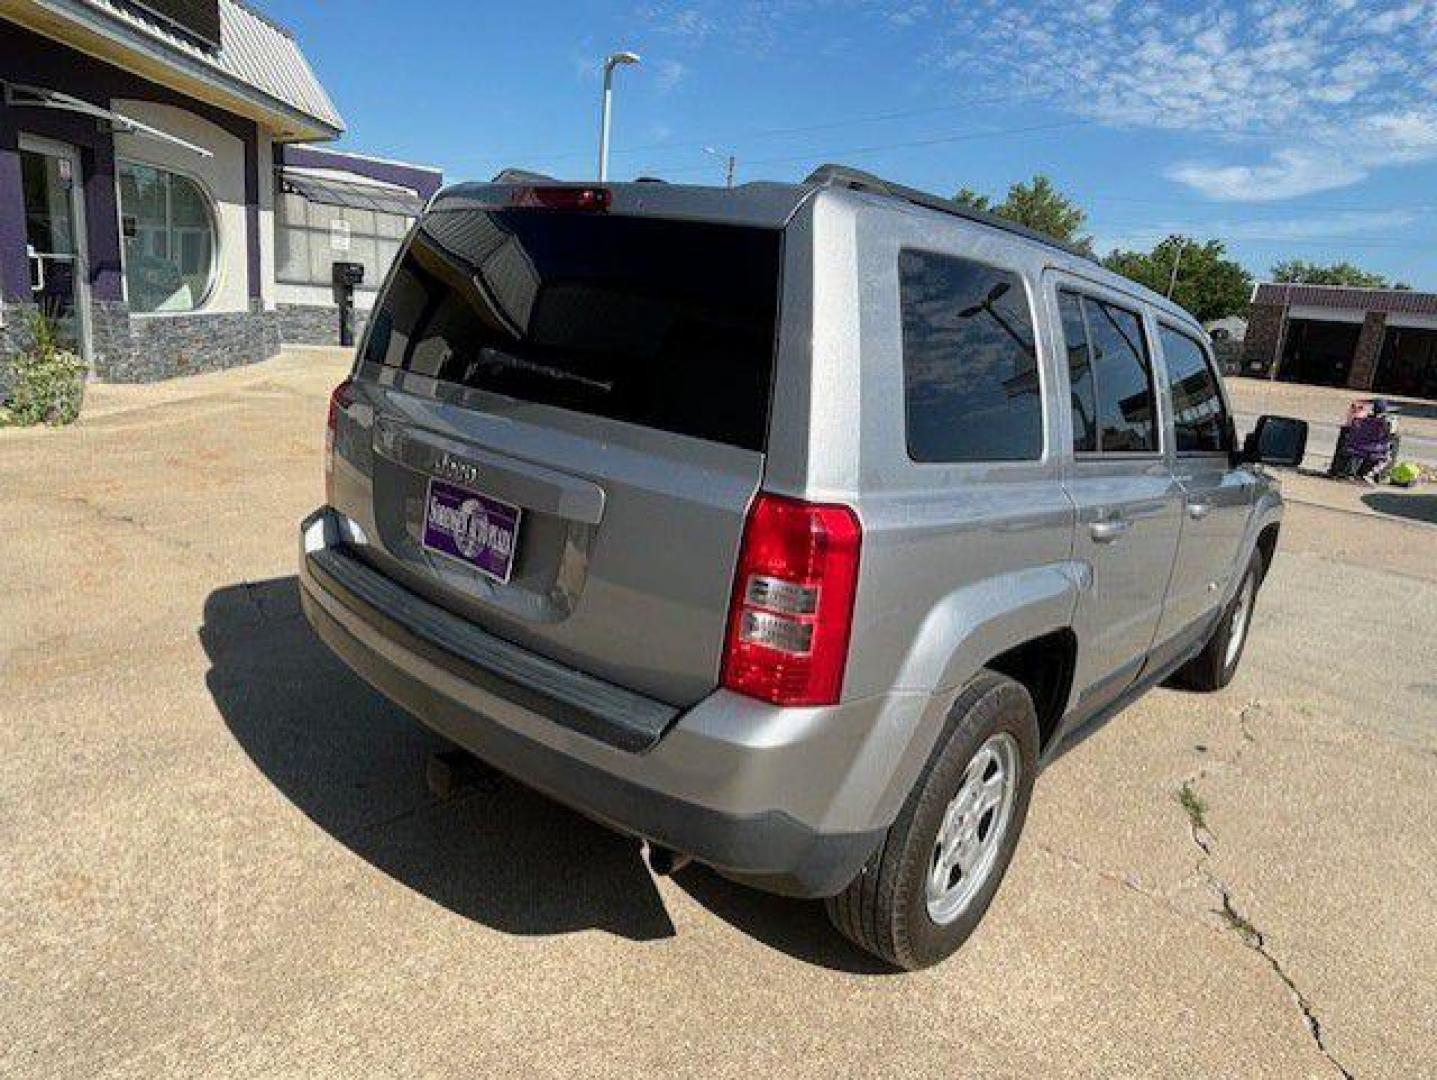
18, 95
333, 189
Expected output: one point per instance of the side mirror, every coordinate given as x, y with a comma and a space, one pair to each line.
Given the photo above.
1277, 440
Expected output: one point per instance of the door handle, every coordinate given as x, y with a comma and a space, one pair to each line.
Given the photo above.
1199, 509
1108, 531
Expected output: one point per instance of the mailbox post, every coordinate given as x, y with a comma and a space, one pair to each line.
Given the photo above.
346, 276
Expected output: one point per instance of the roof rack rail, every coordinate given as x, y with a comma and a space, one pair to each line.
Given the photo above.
857, 180
519, 176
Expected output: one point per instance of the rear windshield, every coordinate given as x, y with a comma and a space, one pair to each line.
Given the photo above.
668, 324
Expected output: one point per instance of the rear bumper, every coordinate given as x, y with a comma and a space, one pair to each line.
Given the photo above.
790, 800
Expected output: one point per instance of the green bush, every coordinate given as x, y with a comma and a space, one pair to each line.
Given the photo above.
47, 382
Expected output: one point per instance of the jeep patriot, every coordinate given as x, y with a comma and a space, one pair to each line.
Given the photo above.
791, 528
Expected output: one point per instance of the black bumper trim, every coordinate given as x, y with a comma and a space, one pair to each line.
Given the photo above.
770, 850
581, 702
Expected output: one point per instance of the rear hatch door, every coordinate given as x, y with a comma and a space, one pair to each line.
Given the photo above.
567, 413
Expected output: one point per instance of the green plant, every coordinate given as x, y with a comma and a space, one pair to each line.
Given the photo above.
47, 380
1193, 803
1240, 923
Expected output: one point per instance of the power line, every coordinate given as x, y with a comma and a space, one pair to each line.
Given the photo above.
936, 140
1275, 206
1366, 34
1139, 232
774, 132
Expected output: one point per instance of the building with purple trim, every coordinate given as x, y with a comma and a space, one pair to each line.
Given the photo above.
1382, 340
162, 199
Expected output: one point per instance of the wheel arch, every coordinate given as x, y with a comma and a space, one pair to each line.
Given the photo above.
1044, 666
1019, 625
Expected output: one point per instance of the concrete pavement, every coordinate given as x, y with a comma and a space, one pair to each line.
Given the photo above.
218, 856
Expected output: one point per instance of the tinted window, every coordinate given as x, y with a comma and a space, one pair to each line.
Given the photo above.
970, 367
1199, 421
1080, 373
1126, 417
662, 323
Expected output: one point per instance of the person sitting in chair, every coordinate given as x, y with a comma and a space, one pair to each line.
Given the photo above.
1372, 442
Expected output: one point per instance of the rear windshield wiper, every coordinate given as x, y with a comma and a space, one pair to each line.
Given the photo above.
500, 359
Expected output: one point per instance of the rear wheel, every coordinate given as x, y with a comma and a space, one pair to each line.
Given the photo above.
1214, 667
926, 888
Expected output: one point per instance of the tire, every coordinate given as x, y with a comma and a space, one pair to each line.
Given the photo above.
1213, 668
886, 910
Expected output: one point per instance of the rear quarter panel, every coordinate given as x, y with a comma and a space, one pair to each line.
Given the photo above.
960, 562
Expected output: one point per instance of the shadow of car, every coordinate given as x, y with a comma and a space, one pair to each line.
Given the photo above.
496, 851
354, 764
1412, 507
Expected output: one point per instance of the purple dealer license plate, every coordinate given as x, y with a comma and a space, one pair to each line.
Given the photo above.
475, 529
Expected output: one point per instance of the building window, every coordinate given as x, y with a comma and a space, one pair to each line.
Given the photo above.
310, 237
970, 362
170, 239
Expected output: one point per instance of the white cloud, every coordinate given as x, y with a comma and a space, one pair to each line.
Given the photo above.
1334, 226
669, 73
677, 19
908, 15
1286, 175
1318, 227
1334, 88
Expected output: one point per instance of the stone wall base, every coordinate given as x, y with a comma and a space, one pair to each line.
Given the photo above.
147, 348
133, 348
306, 324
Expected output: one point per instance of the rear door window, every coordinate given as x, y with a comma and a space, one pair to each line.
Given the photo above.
1083, 396
1114, 403
662, 323
1199, 419
970, 363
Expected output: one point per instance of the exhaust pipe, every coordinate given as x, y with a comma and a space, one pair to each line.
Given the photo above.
664, 862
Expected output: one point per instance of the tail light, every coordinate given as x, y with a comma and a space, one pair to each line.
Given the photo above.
339, 400
792, 609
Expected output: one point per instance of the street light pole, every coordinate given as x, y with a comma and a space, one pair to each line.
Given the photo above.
609, 64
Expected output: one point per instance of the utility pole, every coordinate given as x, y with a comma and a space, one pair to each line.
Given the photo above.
730, 164
607, 106
1177, 262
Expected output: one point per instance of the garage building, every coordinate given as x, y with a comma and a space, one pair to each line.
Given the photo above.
161, 199
1378, 340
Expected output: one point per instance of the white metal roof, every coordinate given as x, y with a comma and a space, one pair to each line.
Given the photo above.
255, 53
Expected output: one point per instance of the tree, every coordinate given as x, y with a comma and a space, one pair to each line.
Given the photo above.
1209, 284
1038, 205
968, 197
1299, 272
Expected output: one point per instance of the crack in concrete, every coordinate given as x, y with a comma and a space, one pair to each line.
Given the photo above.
1108, 875
1239, 923
115, 517
1254, 939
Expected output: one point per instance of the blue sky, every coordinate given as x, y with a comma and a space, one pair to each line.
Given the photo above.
1285, 128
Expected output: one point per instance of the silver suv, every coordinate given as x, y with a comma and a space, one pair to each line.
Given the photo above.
791, 528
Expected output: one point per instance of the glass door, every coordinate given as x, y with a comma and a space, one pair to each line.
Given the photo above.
55, 238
